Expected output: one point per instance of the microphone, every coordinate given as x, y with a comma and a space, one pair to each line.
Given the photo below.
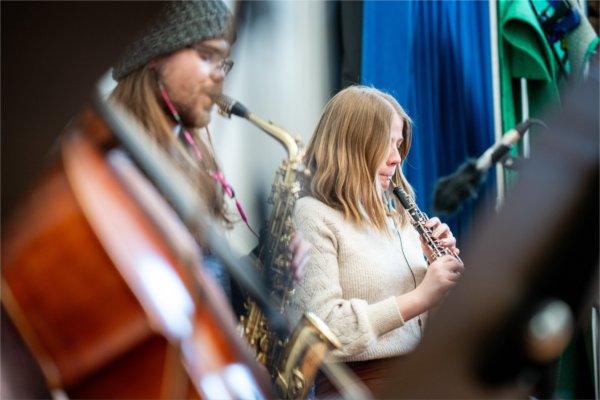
452, 190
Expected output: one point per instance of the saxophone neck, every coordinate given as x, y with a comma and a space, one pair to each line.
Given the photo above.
228, 106
277, 133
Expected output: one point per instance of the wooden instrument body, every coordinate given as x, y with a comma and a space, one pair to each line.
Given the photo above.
106, 305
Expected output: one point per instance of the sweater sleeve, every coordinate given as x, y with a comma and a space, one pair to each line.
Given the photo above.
356, 323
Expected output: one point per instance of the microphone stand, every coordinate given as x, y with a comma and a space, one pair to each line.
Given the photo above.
452, 190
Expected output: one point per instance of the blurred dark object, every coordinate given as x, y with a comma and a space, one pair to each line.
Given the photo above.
593, 11
530, 271
351, 17
52, 55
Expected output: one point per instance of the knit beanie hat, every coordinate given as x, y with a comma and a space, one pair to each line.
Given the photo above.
179, 24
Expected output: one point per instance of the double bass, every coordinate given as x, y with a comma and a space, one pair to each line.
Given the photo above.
104, 281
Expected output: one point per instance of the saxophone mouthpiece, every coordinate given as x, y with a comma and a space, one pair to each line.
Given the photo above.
228, 106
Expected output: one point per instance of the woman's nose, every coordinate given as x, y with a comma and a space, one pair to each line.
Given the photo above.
394, 157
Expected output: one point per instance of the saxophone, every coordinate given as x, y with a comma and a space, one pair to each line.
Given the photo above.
418, 220
293, 362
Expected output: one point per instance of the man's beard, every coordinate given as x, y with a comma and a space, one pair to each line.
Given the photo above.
195, 119
190, 118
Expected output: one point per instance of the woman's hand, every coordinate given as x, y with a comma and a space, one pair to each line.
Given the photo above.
299, 248
443, 234
441, 275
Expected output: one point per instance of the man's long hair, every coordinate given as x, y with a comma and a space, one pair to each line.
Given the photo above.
138, 92
348, 146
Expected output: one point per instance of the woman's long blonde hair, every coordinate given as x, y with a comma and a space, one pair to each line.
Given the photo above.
138, 92
348, 145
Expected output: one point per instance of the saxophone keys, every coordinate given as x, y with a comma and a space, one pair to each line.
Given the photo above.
298, 382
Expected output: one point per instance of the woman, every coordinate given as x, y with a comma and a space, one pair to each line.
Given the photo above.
368, 277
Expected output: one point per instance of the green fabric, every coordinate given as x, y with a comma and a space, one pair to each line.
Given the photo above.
581, 43
524, 52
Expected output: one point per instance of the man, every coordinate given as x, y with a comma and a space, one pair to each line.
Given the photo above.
169, 78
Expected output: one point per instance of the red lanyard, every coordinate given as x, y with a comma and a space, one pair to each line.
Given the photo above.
217, 176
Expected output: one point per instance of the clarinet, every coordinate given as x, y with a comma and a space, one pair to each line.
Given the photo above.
418, 220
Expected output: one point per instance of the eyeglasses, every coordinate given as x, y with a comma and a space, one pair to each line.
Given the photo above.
214, 59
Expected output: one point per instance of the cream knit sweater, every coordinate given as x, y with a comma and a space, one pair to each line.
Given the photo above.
352, 279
